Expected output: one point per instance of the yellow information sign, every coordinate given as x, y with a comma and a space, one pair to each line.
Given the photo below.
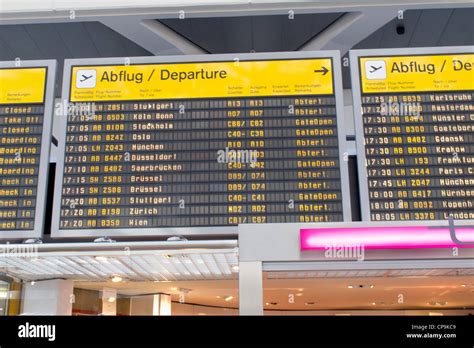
420, 73
22, 85
202, 80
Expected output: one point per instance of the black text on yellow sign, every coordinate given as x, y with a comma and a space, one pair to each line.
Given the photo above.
22, 85
202, 80
420, 73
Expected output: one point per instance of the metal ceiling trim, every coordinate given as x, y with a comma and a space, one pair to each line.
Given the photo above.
189, 246
368, 265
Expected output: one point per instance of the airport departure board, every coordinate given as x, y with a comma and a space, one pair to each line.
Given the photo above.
26, 92
157, 146
414, 112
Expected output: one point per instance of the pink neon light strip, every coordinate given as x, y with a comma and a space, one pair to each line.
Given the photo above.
396, 237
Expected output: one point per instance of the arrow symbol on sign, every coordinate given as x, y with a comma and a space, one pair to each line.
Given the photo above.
324, 70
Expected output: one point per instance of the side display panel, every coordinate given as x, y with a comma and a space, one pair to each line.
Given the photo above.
26, 107
194, 145
414, 116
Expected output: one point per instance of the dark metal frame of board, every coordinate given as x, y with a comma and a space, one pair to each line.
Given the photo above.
56, 232
40, 208
356, 95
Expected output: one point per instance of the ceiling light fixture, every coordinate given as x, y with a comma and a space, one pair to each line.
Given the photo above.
177, 238
116, 279
442, 303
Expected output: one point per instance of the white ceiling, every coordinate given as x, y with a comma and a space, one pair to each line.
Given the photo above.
189, 262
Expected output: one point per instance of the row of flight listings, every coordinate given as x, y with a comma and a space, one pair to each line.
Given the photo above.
204, 144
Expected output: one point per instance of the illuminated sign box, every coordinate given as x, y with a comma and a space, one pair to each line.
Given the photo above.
26, 111
386, 237
383, 235
200, 144
414, 124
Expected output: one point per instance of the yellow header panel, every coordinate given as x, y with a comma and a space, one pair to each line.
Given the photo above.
450, 72
22, 85
202, 80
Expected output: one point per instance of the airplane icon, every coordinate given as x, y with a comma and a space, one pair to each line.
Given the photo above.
86, 78
375, 70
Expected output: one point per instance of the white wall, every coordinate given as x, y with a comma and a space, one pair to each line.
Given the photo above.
50, 297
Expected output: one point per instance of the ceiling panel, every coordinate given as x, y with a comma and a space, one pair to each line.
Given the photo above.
132, 49
252, 33
48, 40
460, 29
429, 27
390, 37
17, 38
423, 28
62, 41
107, 41
5, 52
152, 265
77, 39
